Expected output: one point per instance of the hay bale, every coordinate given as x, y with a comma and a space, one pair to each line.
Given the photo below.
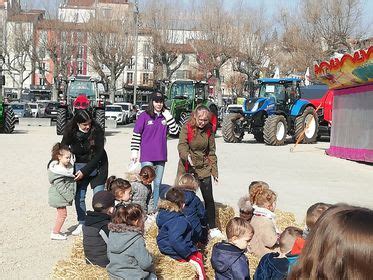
253, 263
76, 268
224, 214
207, 260
285, 219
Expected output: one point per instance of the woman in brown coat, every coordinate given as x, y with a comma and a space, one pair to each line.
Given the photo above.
197, 156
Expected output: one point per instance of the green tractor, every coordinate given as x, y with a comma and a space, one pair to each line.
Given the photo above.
82, 93
7, 118
183, 96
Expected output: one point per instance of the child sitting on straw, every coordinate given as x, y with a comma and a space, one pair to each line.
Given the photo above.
266, 233
142, 189
245, 207
120, 188
95, 229
129, 258
228, 258
314, 212
175, 232
193, 210
275, 266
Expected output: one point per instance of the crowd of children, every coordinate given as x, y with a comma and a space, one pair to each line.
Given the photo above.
337, 242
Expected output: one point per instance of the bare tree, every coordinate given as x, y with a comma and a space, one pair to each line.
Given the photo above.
236, 83
111, 44
55, 41
317, 30
215, 41
254, 38
168, 47
19, 53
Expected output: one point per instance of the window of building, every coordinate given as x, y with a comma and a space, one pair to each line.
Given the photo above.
80, 67
42, 81
146, 63
146, 49
80, 51
145, 78
131, 63
129, 78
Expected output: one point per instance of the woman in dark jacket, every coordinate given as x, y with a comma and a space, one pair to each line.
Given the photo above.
86, 140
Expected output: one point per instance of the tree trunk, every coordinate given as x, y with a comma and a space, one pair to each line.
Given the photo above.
112, 89
20, 85
55, 89
218, 88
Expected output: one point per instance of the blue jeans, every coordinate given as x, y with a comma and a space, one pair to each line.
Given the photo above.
81, 192
159, 169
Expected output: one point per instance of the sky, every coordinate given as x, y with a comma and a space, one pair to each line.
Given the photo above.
271, 6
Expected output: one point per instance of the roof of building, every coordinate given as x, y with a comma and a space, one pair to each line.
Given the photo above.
90, 3
27, 16
60, 25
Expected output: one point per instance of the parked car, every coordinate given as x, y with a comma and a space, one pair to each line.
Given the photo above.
143, 107
233, 108
114, 112
21, 110
128, 110
51, 110
35, 109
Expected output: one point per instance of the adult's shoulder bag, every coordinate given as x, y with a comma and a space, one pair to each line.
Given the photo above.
80, 165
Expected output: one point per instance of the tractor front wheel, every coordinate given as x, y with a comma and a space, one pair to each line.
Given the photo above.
61, 120
307, 126
275, 130
232, 133
9, 120
100, 117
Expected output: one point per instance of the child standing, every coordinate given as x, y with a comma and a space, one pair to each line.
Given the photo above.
95, 229
266, 234
175, 232
120, 188
129, 258
142, 189
193, 210
63, 187
228, 258
275, 266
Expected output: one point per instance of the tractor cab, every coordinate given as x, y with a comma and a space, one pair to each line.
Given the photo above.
184, 95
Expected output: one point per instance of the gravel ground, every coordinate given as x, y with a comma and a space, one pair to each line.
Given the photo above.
300, 178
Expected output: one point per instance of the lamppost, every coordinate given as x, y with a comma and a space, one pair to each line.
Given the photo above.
2, 78
136, 53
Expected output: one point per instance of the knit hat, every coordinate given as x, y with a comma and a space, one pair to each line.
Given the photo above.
157, 96
103, 200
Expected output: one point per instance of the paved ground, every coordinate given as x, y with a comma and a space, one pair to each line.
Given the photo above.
299, 178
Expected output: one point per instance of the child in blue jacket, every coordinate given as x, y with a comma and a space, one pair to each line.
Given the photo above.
193, 210
275, 266
175, 232
228, 258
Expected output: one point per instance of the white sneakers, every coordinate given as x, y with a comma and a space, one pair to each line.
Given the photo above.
78, 230
216, 233
58, 236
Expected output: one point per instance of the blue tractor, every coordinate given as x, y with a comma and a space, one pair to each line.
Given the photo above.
276, 111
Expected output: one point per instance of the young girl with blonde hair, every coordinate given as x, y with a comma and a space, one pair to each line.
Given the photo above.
63, 187
266, 234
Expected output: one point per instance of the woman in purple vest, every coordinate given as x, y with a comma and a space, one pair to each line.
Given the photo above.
150, 138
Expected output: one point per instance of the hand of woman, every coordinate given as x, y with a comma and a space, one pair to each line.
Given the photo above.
167, 114
190, 160
216, 180
134, 155
79, 175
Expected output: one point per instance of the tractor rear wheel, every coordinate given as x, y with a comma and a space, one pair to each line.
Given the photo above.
61, 120
231, 132
307, 126
9, 120
275, 130
100, 117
